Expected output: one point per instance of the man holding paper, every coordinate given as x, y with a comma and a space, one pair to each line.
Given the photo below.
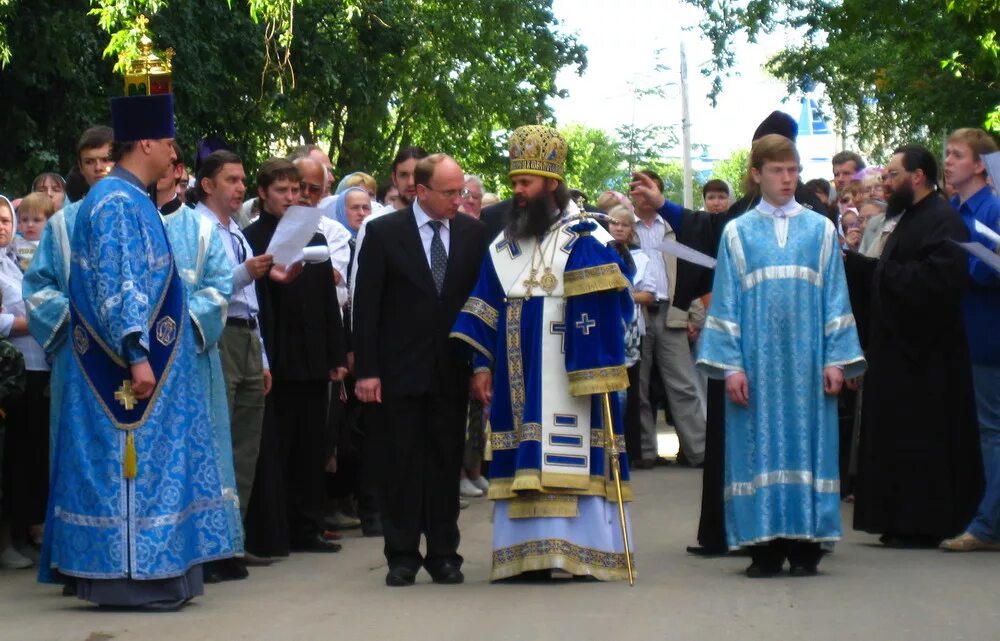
303, 336
965, 170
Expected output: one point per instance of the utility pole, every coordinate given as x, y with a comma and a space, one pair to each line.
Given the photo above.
686, 132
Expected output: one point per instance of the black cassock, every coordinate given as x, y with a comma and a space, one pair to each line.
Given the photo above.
919, 468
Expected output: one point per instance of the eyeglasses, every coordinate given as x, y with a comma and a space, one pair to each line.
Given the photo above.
451, 194
311, 188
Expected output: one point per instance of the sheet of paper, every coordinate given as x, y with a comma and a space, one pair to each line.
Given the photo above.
992, 162
684, 252
314, 254
986, 231
294, 231
983, 253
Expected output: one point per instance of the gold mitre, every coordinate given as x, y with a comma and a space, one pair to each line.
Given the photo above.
149, 74
538, 150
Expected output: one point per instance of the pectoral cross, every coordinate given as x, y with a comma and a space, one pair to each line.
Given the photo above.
126, 396
531, 282
585, 324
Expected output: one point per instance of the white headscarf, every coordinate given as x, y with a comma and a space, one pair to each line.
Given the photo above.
9, 271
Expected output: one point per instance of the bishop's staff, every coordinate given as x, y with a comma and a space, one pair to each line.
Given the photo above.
609, 436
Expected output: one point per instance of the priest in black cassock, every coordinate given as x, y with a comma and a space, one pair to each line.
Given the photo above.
920, 475
703, 231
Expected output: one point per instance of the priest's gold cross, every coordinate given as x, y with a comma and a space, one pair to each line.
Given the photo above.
125, 395
531, 282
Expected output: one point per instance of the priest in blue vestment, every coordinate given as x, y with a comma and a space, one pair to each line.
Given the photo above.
547, 322
780, 331
204, 268
135, 506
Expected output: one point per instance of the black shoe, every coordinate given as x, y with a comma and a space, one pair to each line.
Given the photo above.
400, 577
803, 570
164, 606
448, 574
371, 529
254, 561
315, 543
69, 588
231, 569
706, 552
210, 573
910, 541
761, 571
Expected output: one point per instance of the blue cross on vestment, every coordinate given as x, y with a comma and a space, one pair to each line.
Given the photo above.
559, 327
585, 324
510, 245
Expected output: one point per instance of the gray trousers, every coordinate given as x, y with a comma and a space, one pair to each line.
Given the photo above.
670, 350
243, 368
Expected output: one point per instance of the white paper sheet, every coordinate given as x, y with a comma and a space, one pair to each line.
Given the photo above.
983, 253
986, 231
992, 162
294, 231
684, 252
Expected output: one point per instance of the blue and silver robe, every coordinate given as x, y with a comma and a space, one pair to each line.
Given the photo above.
204, 268
780, 313
45, 290
171, 515
551, 353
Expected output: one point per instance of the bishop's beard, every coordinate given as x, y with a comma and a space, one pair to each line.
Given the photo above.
532, 220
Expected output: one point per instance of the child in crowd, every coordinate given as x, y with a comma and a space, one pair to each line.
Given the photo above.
35, 210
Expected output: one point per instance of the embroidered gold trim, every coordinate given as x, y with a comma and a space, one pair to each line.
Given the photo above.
476, 345
481, 310
529, 480
543, 506
558, 553
593, 279
598, 380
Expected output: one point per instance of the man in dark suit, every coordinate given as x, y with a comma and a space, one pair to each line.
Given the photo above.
416, 269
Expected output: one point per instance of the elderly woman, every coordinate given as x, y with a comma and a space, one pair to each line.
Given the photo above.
622, 228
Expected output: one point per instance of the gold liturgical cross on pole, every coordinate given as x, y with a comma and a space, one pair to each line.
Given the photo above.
125, 395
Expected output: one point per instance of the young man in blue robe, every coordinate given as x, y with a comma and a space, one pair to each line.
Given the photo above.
46, 283
781, 333
135, 506
547, 324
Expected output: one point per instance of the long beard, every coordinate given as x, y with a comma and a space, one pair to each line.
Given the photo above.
531, 221
899, 201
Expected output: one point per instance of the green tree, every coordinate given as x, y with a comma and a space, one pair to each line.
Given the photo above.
371, 76
894, 70
733, 170
595, 162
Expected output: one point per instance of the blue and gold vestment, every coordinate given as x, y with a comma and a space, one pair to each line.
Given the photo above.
548, 316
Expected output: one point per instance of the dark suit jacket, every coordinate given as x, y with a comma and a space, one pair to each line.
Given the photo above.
300, 321
401, 324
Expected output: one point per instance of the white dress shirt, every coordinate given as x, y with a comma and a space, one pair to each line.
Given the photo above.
427, 231
243, 303
650, 240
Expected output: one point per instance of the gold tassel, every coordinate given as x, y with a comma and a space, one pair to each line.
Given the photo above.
131, 463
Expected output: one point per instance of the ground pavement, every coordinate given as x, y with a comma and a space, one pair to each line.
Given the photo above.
863, 592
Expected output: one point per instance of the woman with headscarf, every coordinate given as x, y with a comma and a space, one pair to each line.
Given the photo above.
26, 442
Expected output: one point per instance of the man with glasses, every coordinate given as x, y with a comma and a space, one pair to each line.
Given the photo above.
415, 271
220, 189
303, 334
920, 475
472, 196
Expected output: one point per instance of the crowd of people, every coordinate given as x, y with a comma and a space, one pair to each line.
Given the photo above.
434, 345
